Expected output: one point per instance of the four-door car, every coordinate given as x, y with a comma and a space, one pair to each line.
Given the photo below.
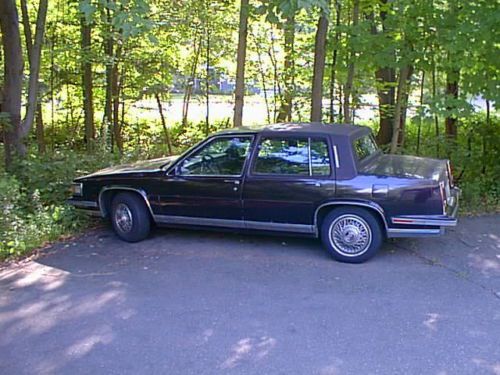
322, 180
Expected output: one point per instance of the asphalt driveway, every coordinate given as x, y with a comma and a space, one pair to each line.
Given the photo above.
187, 302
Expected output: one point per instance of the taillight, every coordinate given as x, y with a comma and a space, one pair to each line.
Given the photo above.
442, 190
450, 173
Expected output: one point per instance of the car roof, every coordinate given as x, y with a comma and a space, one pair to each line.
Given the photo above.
302, 127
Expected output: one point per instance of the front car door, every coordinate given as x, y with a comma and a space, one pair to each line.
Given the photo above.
288, 178
205, 188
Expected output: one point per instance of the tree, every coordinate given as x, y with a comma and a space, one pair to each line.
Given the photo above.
29, 49
13, 74
87, 81
319, 68
350, 70
239, 91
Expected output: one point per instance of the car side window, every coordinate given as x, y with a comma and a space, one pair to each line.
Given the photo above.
320, 158
222, 156
292, 156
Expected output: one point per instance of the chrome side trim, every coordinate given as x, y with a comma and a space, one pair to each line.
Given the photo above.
85, 204
142, 193
229, 223
393, 232
280, 227
204, 221
336, 156
371, 205
412, 220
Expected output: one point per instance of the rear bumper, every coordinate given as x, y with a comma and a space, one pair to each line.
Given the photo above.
426, 225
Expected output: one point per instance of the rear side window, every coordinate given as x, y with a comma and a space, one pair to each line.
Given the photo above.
365, 146
293, 156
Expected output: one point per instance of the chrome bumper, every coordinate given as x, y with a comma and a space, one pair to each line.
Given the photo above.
435, 224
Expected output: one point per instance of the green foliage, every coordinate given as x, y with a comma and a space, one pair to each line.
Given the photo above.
474, 157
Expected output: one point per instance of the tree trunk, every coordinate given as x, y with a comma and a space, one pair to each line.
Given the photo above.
189, 86
164, 124
87, 84
115, 94
239, 91
40, 136
451, 92
404, 106
108, 101
319, 69
36, 52
285, 111
350, 70
421, 105
386, 96
333, 70
396, 131
13, 81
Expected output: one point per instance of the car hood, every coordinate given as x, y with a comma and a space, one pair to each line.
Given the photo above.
144, 166
405, 166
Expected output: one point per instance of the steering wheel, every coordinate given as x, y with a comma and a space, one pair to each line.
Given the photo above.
206, 161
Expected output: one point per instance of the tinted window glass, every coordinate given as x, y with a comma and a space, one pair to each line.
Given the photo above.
283, 156
222, 156
320, 158
365, 146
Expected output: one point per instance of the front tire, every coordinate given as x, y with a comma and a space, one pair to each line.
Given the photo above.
351, 234
130, 217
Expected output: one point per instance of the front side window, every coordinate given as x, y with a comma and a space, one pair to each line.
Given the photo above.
293, 156
222, 156
365, 147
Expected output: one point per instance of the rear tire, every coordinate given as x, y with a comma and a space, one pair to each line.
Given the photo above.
351, 234
130, 217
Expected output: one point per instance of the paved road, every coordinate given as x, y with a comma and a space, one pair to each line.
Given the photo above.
187, 302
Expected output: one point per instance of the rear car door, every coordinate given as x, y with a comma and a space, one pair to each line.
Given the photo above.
288, 178
206, 185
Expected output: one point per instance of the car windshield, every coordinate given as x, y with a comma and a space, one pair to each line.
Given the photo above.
365, 147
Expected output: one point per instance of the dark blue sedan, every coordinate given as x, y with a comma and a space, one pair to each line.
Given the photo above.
327, 181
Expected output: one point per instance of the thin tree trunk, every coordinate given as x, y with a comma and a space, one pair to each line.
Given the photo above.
239, 91
40, 137
436, 120
35, 59
451, 92
333, 70
402, 83
319, 69
419, 129
404, 106
13, 80
189, 86
276, 82
262, 77
207, 71
87, 83
350, 70
285, 111
108, 101
115, 93
164, 124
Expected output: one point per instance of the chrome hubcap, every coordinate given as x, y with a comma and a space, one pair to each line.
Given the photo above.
123, 218
350, 235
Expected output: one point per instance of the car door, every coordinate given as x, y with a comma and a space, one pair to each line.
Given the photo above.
205, 188
288, 178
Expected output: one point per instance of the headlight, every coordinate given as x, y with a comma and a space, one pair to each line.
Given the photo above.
76, 189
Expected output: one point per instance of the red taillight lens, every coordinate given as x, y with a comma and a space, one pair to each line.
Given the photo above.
450, 173
442, 190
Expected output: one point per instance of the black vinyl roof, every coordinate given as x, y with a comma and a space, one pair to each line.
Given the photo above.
302, 127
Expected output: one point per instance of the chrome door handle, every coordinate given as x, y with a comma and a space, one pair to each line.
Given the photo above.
236, 182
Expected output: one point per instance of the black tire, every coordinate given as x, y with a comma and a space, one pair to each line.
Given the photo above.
351, 234
130, 205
